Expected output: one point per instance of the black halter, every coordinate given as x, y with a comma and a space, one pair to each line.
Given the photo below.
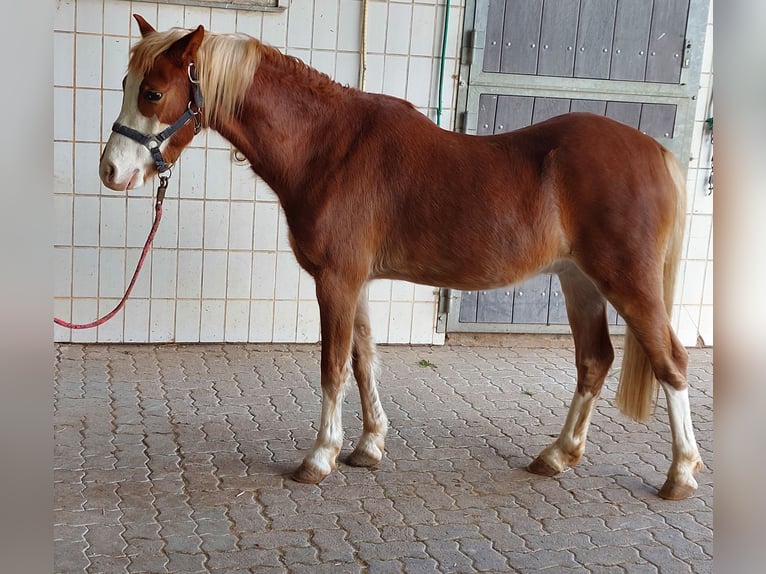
152, 141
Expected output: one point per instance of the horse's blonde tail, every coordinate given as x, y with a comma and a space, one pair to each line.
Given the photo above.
638, 387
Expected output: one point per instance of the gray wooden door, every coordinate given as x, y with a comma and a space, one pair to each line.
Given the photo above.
636, 61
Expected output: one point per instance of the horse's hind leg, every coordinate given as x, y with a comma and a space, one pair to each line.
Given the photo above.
651, 328
369, 449
586, 310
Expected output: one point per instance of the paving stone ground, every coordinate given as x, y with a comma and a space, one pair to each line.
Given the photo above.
175, 458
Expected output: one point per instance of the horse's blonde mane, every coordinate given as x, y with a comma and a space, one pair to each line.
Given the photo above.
225, 63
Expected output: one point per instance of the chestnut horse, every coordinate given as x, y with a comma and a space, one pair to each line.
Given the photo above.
372, 189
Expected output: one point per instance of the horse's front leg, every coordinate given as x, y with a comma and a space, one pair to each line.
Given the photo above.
337, 302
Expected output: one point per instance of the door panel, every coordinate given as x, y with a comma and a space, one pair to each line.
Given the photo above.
636, 61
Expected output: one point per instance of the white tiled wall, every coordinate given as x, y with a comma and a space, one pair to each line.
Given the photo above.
221, 268
693, 313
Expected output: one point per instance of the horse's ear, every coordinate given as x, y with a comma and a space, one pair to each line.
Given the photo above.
143, 25
185, 48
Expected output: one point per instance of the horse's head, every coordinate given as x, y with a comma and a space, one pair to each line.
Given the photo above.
161, 108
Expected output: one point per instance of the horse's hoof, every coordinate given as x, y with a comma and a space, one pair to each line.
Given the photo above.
362, 458
308, 474
676, 491
539, 466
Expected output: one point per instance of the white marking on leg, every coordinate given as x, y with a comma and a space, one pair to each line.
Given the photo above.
686, 457
329, 439
372, 441
570, 444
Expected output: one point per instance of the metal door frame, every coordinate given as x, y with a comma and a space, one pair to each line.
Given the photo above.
474, 81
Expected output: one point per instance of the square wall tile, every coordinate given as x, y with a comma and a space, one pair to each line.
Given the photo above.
237, 321
64, 18
261, 321
140, 218
274, 29
162, 320
188, 314
112, 330
85, 272
212, 323
136, 317
285, 321
242, 182
89, 16
400, 323
287, 276
63, 206
117, 17
166, 15
191, 173
84, 311
86, 214
266, 223
699, 236
112, 226
112, 281
241, 225
308, 322
380, 312
164, 273
423, 30
62, 279
694, 281
116, 55
63, 169
218, 175
423, 323
87, 126
395, 76
214, 275
300, 24
63, 59
239, 274
419, 82
323, 61
377, 22
88, 61
86, 181
167, 233
349, 25
325, 33
63, 110
110, 110
143, 282
190, 224
223, 20
347, 66
398, 31
189, 274
195, 16
264, 275
216, 224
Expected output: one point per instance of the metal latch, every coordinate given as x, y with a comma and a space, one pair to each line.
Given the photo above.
687, 54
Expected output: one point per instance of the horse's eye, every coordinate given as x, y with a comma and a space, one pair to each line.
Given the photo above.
153, 96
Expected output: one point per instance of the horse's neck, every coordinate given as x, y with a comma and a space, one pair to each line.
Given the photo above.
281, 124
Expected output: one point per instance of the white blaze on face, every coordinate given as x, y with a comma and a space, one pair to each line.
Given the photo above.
125, 163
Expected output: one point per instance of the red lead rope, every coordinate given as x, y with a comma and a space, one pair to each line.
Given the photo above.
157, 216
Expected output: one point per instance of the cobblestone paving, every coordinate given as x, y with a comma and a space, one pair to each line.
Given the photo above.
174, 458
